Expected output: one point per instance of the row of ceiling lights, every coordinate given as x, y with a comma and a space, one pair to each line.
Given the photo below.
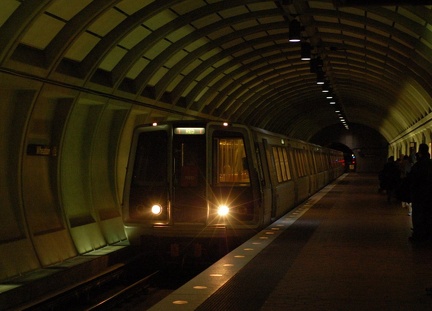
316, 65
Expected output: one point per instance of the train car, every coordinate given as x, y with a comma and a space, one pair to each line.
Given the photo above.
193, 185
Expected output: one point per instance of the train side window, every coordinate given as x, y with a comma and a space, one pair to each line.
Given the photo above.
325, 162
328, 161
301, 163
282, 164
292, 160
319, 162
313, 162
231, 161
285, 158
298, 163
280, 157
277, 164
304, 162
309, 161
322, 166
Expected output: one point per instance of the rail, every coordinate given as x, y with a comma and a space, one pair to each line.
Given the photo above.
115, 297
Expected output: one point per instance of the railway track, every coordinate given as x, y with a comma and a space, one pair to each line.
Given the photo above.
102, 292
124, 287
138, 288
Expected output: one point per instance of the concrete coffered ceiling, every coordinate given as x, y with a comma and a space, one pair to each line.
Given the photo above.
231, 60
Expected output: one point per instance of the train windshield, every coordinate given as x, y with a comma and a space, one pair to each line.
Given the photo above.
149, 184
231, 161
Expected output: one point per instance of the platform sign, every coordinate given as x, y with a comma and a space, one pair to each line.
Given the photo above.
41, 150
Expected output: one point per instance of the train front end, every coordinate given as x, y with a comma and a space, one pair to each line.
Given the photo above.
190, 183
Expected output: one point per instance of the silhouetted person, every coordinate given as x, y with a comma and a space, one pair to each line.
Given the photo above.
390, 178
421, 195
404, 191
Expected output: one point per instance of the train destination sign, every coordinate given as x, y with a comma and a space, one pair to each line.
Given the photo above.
189, 130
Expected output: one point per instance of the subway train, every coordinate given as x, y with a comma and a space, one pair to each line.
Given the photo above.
204, 187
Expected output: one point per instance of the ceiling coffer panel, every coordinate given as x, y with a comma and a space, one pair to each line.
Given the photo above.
233, 60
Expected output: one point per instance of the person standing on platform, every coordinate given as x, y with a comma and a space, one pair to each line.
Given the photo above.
390, 178
403, 192
421, 195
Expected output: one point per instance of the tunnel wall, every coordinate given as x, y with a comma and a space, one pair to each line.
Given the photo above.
409, 142
63, 171
368, 146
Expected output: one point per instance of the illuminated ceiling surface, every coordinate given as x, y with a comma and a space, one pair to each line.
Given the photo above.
231, 60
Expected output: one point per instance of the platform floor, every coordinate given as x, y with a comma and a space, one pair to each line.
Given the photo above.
348, 251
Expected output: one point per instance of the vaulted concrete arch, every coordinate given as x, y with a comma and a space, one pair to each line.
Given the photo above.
232, 60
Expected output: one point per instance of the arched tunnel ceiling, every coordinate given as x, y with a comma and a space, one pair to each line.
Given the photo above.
232, 60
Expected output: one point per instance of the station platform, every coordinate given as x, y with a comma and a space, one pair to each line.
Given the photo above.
345, 248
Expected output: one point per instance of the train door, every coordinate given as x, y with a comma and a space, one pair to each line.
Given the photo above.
189, 204
266, 190
273, 177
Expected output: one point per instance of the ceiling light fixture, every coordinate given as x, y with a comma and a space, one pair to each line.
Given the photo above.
313, 65
326, 87
316, 64
320, 77
306, 51
294, 33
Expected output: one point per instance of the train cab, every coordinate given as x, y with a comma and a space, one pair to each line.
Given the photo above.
191, 180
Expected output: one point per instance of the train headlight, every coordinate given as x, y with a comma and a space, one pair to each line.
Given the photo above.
156, 209
223, 210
